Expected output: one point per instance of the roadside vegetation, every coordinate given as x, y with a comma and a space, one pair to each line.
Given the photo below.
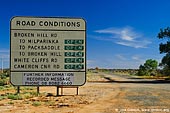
164, 48
4, 78
8, 91
149, 68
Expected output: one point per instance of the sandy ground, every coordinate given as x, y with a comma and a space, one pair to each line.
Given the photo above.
99, 95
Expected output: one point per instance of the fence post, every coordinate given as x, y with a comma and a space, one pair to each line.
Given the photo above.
38, 90
18, 89
77, 90
57, 90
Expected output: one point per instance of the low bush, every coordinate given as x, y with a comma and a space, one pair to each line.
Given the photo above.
3, 82
14, 97
36, 103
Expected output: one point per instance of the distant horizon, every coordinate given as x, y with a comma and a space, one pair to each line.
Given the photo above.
87, 68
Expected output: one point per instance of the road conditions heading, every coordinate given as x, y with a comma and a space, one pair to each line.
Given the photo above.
48, 47
50, 23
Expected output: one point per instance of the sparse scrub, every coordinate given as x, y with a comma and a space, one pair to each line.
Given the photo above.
50, 103
3, 82
28, 88
33, 93
2, 97
36, 103
3, 76
11, 102
14, 97
27, 96
2, 88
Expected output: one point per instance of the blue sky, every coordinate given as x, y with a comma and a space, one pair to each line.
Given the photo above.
120, 33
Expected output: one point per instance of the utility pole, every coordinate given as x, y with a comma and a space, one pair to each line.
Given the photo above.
2, 64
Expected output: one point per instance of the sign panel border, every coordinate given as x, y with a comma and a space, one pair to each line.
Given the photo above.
45, 17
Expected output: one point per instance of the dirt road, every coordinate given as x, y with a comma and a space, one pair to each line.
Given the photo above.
107, 94
133, 95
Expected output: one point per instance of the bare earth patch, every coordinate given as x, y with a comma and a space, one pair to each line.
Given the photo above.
98, 95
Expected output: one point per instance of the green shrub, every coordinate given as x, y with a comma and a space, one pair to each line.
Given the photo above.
14, 97
29, 88
36, 103
2, 82
2, 88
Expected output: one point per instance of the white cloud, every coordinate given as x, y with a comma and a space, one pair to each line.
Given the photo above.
135, 43
125, 33
135, 57
121, 57
125, 36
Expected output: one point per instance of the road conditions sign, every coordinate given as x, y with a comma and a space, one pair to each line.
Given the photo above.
48, 51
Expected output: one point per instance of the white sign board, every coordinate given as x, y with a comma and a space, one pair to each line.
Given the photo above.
48, 51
